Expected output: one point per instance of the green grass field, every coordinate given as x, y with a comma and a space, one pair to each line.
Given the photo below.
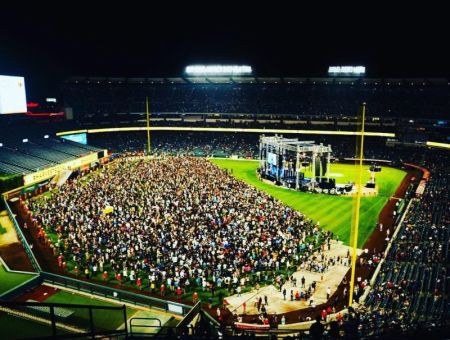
103, 319
333, 212
10, 280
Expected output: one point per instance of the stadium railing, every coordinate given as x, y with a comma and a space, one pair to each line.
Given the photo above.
71, 320
190, 315
22, 238
115, 293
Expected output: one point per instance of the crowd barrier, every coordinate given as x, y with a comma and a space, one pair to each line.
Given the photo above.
117, 294
22, 238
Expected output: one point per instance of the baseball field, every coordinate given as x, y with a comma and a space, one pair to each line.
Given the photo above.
333, 213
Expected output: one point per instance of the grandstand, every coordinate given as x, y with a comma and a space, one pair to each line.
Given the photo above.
123, 98
38, 153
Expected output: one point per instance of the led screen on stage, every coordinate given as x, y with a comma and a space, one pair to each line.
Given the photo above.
77, 137
272, 158
12, 95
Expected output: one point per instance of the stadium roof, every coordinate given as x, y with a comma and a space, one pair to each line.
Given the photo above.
261, 80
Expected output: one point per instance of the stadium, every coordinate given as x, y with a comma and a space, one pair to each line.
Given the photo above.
218, 202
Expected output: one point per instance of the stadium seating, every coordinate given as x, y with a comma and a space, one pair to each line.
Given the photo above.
327, 96
37, 153
413, 285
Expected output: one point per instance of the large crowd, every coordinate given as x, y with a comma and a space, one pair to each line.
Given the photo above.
176, 222
225, 144
183, 222
384, 100
198, 144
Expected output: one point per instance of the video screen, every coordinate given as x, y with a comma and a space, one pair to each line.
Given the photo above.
78, 137
12, 95
272, 158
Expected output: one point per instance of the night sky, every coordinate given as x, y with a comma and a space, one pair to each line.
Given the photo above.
47, 44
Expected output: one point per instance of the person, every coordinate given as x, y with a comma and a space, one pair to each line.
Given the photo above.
334, 330
210, 301
275, 319
239, 289
283, 320
218, 313
303, 282
328, 293
266, 300
194, 297
351, 327
317, 329
152, 287
221, 295
284, 294
139, 283
244, 306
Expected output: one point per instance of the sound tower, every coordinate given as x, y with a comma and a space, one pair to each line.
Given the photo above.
317, 169
280, 161
324, 165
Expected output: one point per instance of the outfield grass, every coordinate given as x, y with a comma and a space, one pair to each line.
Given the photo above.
103, 319
10, 280
332, 212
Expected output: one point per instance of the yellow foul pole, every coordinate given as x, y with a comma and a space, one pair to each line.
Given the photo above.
148, 126
357, 199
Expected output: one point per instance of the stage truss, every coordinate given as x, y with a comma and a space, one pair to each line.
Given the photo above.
284, 148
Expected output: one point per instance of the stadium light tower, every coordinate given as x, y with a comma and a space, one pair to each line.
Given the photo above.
347, 71
218, 70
